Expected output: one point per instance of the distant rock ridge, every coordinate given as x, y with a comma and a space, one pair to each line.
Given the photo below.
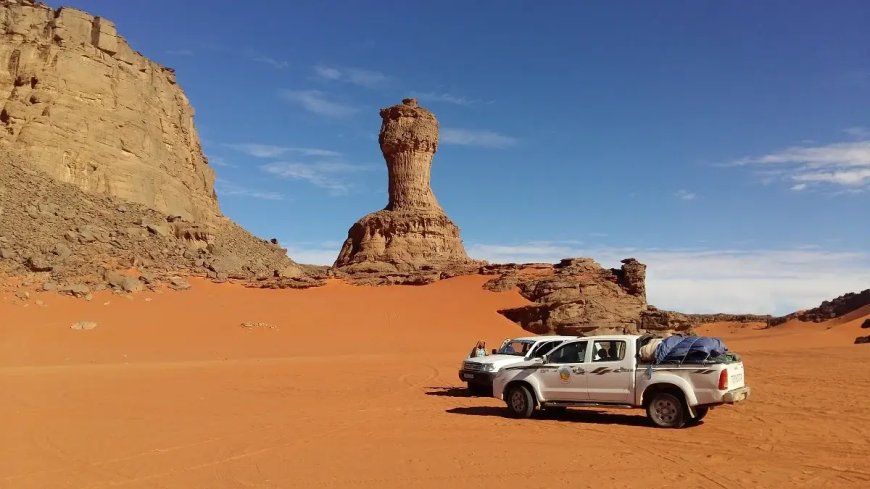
827, 310
79, 104
411, 240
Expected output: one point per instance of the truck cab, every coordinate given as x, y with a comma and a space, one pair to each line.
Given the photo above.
478, 372
606, 371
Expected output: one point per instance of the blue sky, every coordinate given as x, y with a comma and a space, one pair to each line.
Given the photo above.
727, 145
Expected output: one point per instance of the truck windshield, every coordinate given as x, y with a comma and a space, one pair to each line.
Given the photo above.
515, 347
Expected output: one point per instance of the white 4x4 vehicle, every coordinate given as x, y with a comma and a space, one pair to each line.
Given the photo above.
606, 371
478, 372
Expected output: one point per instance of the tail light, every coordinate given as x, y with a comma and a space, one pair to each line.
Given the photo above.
723, 380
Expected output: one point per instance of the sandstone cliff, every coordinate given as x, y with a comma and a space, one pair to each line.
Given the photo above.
411, 240
78, 103
101, 167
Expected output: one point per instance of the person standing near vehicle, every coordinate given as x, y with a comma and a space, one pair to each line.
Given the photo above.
479, 350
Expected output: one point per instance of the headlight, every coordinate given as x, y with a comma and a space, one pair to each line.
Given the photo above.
489, 368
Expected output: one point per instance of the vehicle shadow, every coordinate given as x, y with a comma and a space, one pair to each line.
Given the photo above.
454, 392
569, 415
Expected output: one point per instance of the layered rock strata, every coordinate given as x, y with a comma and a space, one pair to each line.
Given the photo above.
79, 104
411, 239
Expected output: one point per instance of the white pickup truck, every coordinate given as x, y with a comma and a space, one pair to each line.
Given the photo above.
606, 371
478, 372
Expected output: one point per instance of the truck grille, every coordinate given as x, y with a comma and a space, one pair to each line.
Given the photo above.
472, 366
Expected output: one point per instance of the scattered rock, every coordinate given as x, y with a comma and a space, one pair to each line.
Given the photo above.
38, 263
6, 254
22, 294
178, 283
258, 325
866, 323
49, 287
862, 340
39, 303
83, 325
76, 290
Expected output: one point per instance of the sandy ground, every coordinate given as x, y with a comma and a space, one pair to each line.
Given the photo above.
358, 387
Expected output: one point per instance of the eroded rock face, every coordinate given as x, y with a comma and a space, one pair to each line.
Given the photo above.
578, 296
412, 234
79, 104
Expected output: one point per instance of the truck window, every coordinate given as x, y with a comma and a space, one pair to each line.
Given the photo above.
608, 351
545, 348
570, 353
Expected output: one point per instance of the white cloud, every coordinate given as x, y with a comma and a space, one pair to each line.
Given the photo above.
272, 151
355, 76
685, 195
315, 101
330, 175
225, 188
858, 132
309, 253
471, 137
444, 97
274, 63
219, 161
776, 281
798, 187
838, 164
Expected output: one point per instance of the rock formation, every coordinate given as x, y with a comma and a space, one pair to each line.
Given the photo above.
81, 105
101, 168
578, 296
412, 239
831, 309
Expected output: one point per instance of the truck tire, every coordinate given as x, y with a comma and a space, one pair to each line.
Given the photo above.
520, 402
700, 412
667, 410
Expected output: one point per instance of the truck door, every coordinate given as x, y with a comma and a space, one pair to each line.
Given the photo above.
610, 376
564, 375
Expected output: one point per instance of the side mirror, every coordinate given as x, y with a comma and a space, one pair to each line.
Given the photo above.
542, 359
494, 351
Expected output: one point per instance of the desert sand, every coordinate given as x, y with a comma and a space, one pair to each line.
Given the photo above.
357, 387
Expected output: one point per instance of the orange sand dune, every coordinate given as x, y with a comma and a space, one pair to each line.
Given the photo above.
357, 387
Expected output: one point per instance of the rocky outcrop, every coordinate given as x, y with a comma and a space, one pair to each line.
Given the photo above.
76, 242
79, 104
829, 309
411, 240
576, 296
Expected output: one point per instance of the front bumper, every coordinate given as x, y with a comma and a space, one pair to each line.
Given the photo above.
736, 395
477, 377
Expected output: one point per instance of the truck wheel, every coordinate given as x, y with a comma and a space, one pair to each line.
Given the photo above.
666, 410
519, 401
700, 412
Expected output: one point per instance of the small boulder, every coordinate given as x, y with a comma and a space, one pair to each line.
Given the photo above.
83, 325
866, 323
178, 283
49, 287
76, 290
6, 253
23, 295
38, 263
158, 229
62, 251
862, 339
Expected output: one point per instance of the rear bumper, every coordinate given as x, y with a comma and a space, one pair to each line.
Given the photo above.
736, 395
477, 377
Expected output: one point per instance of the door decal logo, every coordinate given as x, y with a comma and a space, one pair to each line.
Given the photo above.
564, 374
